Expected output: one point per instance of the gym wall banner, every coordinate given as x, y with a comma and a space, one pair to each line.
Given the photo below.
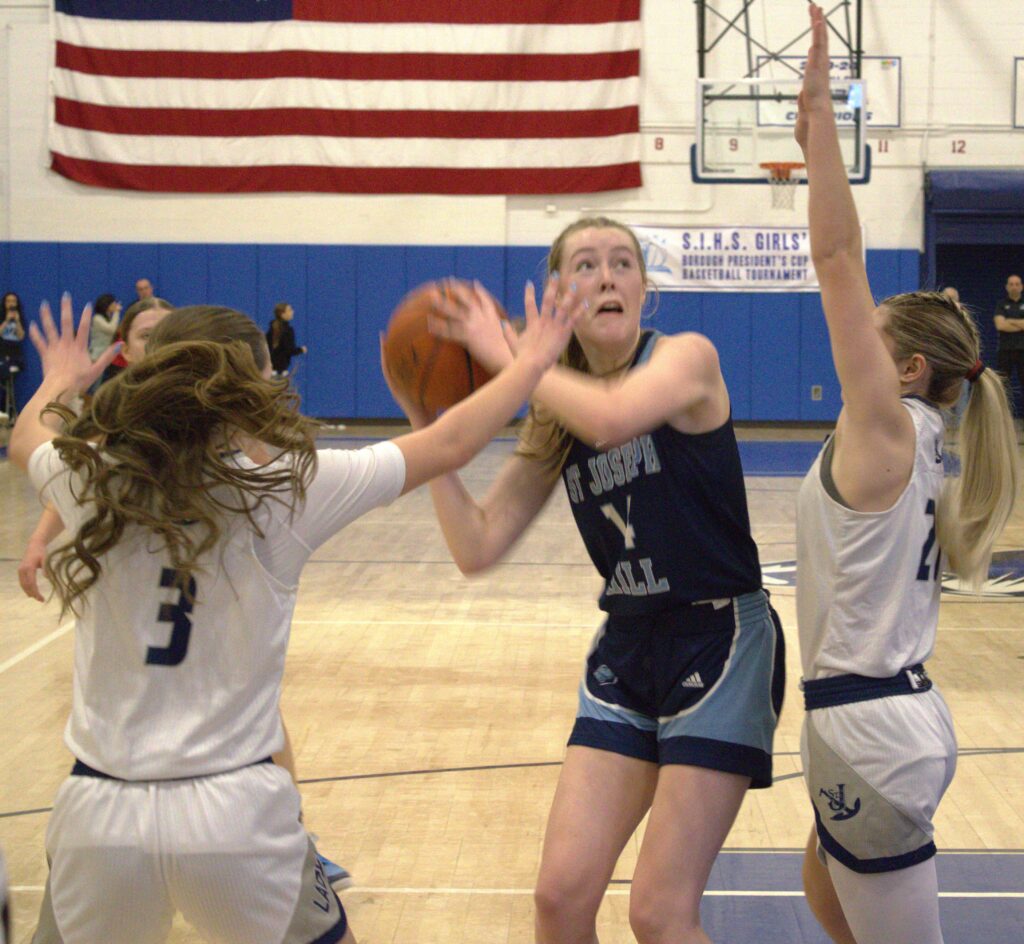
728, 258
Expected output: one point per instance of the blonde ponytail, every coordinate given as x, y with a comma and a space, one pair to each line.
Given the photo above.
976, 506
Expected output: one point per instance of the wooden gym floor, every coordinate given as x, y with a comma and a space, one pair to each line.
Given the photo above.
429, 714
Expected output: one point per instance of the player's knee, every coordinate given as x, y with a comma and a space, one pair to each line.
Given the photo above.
657, 918
567, 894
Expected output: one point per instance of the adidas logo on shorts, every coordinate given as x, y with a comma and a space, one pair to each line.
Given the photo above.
693, 681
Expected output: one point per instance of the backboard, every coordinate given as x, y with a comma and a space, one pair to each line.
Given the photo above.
743, 123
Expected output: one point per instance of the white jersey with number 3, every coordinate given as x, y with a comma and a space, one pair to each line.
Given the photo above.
167, 688
868, 583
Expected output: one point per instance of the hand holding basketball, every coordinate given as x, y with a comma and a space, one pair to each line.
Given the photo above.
548, 330
427, 373
417, 415
469, 314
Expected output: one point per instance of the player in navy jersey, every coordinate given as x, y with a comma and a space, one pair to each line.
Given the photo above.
683, 685
876, 523
194, 496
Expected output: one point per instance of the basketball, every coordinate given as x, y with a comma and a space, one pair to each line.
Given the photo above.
435, 373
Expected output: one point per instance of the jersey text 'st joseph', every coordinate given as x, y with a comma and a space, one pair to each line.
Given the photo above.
664, 516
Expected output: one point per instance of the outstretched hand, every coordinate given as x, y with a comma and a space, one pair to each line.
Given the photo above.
470, 315
815, 92
64, 352
548, 330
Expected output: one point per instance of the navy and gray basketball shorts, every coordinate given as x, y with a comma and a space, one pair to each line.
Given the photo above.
701, 684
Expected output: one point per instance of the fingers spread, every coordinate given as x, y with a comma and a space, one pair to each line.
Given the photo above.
67, 317
38, 341
530, 302
82, 335
46, 320
440, 326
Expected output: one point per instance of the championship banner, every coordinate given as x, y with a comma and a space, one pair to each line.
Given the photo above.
728, 258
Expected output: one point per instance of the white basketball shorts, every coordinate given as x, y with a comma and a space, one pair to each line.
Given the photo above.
227, 851
876, 771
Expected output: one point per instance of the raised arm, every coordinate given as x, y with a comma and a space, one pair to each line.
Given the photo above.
682, 379
106, 323
479, 533
67, 370
874, 442
866, 370
452, 440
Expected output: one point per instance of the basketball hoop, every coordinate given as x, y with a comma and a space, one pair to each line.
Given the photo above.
782, 182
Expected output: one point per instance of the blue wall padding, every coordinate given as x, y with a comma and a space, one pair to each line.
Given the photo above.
773, 347
183, 274
328, 375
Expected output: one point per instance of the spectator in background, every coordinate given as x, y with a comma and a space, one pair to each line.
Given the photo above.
12, 333
106, 316
144, 289
139, 321
1009, 318
281, 339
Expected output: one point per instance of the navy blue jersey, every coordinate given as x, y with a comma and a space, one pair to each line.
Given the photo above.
664, 516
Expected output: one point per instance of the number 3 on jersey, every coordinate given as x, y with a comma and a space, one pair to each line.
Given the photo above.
177, 614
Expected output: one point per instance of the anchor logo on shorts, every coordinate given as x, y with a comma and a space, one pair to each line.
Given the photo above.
837, 802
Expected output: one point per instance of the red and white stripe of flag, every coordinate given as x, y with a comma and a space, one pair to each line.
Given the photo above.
353, 106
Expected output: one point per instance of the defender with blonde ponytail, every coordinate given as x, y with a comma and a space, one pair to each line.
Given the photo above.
193, 495
876, 520
976, 504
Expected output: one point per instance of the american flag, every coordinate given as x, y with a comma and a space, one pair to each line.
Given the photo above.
348, 96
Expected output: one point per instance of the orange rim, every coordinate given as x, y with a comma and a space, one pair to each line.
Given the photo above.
780, 170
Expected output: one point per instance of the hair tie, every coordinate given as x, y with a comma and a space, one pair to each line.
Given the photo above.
975, 372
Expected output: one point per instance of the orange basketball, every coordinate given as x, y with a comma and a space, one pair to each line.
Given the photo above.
433, 372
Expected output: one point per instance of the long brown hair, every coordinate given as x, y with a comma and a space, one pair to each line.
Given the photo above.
153, 450
976, 505
542, 437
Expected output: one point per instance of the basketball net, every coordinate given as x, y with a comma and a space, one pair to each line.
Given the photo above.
782, 182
